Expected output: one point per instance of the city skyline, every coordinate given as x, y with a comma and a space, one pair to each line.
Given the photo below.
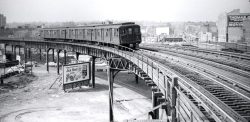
120, 10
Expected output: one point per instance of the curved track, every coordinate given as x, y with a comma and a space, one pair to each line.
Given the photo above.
234, 60
237, 99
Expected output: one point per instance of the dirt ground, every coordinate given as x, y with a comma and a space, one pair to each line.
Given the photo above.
35, 102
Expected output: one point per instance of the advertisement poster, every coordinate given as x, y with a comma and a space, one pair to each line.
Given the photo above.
237, 20
76, 72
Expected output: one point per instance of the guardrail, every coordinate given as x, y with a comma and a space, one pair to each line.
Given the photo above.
158, 73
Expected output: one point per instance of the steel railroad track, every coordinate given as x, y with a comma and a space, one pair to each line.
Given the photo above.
231, 98
214, 64
199, 53
242, 86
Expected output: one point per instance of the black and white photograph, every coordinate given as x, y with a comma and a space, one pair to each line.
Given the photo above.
124, 60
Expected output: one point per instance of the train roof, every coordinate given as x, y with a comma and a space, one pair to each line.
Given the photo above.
98, 25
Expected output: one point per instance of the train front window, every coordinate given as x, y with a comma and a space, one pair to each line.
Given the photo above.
136, 31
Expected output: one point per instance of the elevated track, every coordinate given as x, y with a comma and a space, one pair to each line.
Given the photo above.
186, 100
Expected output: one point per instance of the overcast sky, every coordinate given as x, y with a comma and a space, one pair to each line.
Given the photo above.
92, 10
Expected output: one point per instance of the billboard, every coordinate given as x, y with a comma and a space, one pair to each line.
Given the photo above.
76, 72
237, 20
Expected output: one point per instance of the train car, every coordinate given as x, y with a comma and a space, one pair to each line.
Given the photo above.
125, 34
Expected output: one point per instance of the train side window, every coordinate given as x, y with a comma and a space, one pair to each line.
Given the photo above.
129, 30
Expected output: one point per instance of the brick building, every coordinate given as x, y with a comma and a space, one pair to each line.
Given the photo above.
231, 28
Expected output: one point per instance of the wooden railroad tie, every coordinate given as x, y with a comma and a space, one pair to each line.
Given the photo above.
158, 94
146, 78
151, 84
161, 99
148, 81
154, 89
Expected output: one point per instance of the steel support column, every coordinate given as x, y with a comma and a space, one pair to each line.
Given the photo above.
19, 50
173, 100
25, 58
111, 81
136, 79
40, 50
58, 59
5, 49
1, 80
47, 59
12, 48
29, 50
65, 57
31, 60
53, 55
77, 56
155, 103
15, 51
93, 71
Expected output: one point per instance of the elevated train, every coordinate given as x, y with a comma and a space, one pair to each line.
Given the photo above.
125, 34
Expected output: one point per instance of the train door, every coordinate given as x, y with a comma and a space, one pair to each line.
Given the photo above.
83, 34
58, 33
95, 34
44, 33
102, 33
50, 33
72, 34
76, 33
111, 35
69, 36
65, 34
91, 31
